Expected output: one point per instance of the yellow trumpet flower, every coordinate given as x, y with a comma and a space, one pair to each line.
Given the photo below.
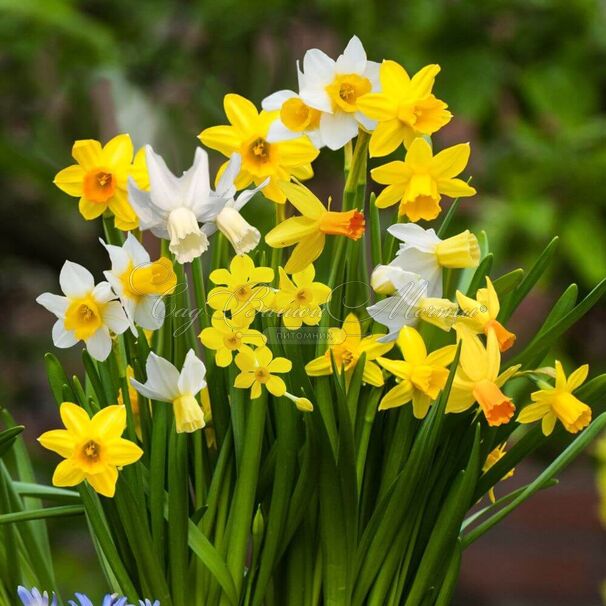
477, 379
404, 109
422, 375
309, 231
557, 402
419, 182
247, 135
100, 178
346, 345
93, 448
481, 314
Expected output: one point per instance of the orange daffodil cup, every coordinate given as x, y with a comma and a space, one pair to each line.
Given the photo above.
287, 375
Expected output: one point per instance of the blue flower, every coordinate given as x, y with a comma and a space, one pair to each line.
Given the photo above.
108, 600
33, 597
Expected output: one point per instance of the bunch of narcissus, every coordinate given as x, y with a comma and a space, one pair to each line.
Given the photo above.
303, 414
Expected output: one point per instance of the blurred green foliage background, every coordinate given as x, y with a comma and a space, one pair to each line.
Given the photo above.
525, 79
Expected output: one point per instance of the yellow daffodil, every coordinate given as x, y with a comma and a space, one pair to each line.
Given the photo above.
298, 300
247, 135
93, 449
309, 230
243, 289
419, 182
477, 379
481, 314
557, 402
258, 367
422, 376
493, 457
346, 345
404, 109
100, 178
226, 336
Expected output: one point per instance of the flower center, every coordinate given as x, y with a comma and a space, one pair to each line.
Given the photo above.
350, 224
243, 292
99, 185
91, 451
260, 150
304, 295
262, 374
83, 317
346, 89
232, 341
297, 116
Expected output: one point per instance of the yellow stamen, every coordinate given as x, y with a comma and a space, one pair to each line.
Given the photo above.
83, 316
91, 451
345, 90
262, 375
259, 151
99, 185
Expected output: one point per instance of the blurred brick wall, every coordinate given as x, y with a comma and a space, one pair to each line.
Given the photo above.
549, 552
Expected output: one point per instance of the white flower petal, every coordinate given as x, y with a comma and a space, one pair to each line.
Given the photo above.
147, 392
278, 132
353, 59
56, 304
365, 121
102, 293
165, 189
226, 187
372, 72
149, 313
414, 235
62, 337
76, 281
115, 318
162, 378
337, 129
317, 97
149, 215
195, 182
424, 264
318, 67
118, 257
191, 379
99, 345
135, 250
276, 100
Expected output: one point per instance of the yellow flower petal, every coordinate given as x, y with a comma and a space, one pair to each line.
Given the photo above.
303, 200
118, 152
280, 365
577, 378
390, 196
109, 422
386, 137
401, 394
241, 113
225, 139
121, 452
455, 188
411, 345
372, 374
419, 154
319, 367
297, 152
378, 106
393, 78
451, 161
306, 252
70, 180
422, 82
276, 386
392, 172
87, 153
91, 210
59, 441
75, 418
105, 482
67, 474
291, 231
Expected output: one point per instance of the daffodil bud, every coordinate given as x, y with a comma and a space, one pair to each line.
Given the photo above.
242, 235
386, 279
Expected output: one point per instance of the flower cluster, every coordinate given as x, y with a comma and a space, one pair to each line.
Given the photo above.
396, 342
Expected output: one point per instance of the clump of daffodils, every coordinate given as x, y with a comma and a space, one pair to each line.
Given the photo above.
310, 411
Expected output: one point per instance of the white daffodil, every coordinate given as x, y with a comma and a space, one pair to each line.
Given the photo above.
139, 283
224, 211
86, 312
409, 304
296, 118
425, 254
166, 384
334, 87
174, 206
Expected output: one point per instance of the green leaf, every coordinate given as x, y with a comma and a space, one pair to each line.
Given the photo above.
8, 437
507, 282
528, 282
41, 514
49, 493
